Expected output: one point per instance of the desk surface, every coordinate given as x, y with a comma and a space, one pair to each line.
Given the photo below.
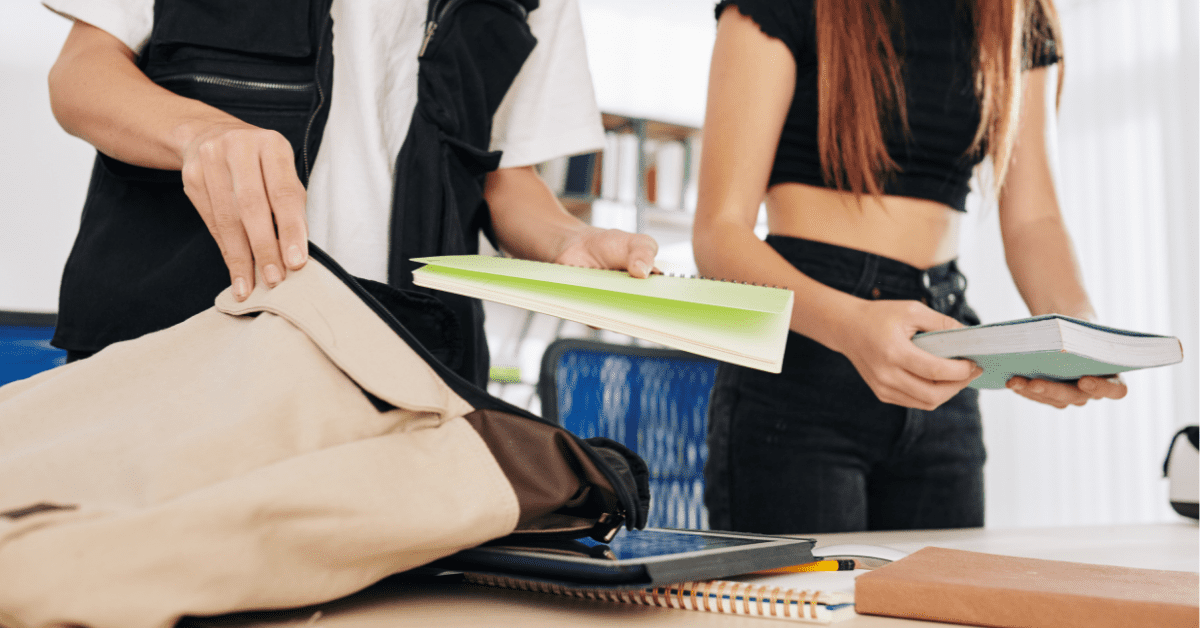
393, 603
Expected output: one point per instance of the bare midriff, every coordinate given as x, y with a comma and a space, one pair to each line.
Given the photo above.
919, 232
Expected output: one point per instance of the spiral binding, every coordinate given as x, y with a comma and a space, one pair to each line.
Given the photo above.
740, 599
665, 274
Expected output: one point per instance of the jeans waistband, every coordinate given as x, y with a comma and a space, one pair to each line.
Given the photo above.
872, 276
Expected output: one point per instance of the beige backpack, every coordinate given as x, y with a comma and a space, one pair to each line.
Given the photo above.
278, 452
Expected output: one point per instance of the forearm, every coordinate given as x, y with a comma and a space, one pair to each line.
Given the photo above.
733, 252
1043, 266
98, 94
529, 221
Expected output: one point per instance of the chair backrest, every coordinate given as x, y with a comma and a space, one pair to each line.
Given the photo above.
25, 345
654, 401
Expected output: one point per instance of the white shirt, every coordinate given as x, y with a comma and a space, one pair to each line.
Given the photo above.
550, 110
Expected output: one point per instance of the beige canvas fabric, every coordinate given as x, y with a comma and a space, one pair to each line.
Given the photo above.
232, 462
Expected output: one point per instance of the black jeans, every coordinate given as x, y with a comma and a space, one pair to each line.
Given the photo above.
813, 450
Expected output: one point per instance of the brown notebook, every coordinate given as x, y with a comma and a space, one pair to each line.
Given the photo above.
988, 590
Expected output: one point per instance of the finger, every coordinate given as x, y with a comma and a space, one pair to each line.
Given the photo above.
287, 198
897, 386
640, 255
251, 198
926, 318
1057, 394
930, 367
1103, 388
226, 223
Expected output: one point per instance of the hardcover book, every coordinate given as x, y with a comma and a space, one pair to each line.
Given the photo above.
956, 586
1052, 347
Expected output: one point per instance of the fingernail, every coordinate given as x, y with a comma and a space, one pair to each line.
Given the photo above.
239, 289
272, 275
1037, 388
1016, 385
1087, 385
639, 269
295, 256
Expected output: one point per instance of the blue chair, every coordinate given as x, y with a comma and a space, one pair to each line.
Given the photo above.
25, 345
654, 401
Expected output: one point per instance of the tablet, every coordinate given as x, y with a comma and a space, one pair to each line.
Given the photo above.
634, 558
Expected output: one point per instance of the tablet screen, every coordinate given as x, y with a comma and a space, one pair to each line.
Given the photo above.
643, 544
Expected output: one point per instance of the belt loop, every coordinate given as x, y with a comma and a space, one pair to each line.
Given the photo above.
870, 273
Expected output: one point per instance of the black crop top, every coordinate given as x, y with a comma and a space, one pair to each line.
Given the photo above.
943, 111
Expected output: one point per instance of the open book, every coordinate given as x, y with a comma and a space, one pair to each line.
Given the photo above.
738, 323
1052, 347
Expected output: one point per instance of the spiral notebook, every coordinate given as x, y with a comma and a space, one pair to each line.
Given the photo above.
728, 321
757, 598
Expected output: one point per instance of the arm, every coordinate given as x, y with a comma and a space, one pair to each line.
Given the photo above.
750, 90
241, 178
530, 223
1038, 248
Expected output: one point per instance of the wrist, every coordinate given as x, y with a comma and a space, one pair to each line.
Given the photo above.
830, 320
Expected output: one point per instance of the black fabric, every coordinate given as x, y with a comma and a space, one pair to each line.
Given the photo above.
143, 259
943, 111
467, 65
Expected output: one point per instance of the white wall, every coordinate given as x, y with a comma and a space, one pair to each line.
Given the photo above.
43, 171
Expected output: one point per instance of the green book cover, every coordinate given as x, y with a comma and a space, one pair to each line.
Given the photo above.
1052, 347
733, 322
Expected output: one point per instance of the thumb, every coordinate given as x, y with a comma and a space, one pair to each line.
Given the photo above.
640, 255
928, 319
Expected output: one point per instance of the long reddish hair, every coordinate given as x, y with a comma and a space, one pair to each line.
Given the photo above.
860, 84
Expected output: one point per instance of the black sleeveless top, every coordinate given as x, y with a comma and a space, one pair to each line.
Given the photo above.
943, 111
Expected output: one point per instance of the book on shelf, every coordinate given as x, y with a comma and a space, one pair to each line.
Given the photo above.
1052, 347
733, 322
770, 597
956, 586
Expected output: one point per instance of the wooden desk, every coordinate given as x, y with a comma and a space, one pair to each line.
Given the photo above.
393, 604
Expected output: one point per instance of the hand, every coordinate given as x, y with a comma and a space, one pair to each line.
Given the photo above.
612, 249
242, 180
878, 341
1063, 394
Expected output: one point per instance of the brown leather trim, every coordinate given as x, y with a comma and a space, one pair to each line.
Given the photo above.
555, 481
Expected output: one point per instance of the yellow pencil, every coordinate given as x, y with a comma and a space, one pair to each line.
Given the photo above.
843, 564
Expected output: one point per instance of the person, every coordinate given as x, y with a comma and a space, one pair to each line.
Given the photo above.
861, 123
231, 134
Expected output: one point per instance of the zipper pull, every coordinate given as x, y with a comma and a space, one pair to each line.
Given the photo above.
429, 30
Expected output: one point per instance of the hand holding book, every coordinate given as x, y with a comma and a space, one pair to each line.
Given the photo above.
1053, 358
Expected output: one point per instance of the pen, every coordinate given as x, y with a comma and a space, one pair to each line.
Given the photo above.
841, 564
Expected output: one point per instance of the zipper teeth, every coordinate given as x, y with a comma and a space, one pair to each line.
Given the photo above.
320, 99
223, 81
448, 6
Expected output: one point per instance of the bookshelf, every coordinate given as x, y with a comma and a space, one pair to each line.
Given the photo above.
643, 180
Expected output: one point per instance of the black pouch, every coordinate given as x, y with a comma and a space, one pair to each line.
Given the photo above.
143, 259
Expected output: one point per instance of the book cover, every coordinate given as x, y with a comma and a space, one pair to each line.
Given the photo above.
738, 323
1052, 347
956, 586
